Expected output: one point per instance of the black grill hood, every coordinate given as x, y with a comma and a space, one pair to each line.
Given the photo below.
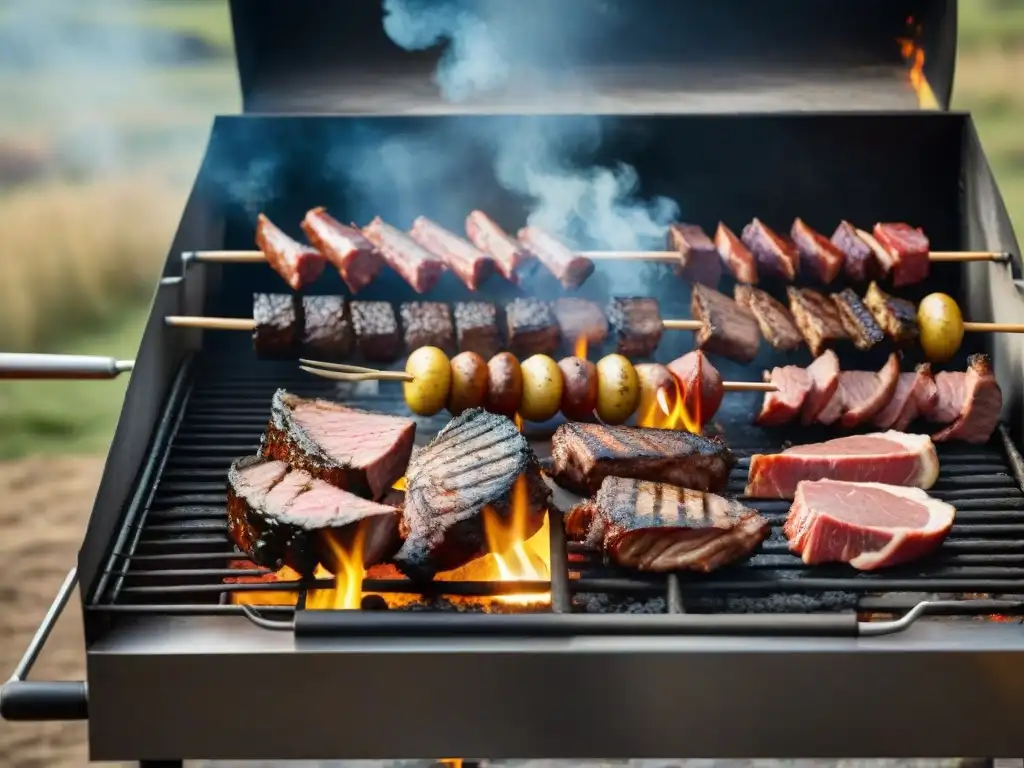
611, 56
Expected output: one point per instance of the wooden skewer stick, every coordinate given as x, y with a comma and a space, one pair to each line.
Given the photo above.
872, 242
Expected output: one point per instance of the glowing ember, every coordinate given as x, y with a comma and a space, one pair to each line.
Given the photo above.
269, 597
581, 348
913, 53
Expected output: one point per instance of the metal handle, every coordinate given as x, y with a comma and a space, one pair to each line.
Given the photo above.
35, 366
26, 700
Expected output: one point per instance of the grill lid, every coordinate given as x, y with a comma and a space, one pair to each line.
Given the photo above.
610, 56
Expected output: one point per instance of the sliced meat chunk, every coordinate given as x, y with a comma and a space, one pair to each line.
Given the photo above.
476, 328
699, 261
776, 256
889, 457
569, 268
278, 321
532, 329
351, 253
636, 326
819, 257
897, 317
580, 319
864, 393
736, 255
471, 265
950, 388
923, 398
860, 263
868, 525
817, 318
728, 329
513, 261
781, 406
415, 264
326, 330
857, 320
982, 405
774, 320
427, 324
376, 330
824, 374
908, 251
297, 264
902, 396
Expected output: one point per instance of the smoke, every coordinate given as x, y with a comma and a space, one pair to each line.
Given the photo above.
489, 46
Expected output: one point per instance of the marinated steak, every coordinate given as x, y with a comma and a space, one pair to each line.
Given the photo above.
298, 264
278, 321
579, 318
513, 261
857, 320
774, 320
728, 329
897, 317
859, 262
427, 324
699, 261
355, 257
889, 457
824, 374
816, 317
279, 516
735, 254
636, 326
908, 250
782, 406
868, 525
661, 528
326, 332
474, 463
982, 405
359, 451
376, 330
532, 329
583, 455
471, 265
415, 264
819, 257
570, 268
476, 328
776, 257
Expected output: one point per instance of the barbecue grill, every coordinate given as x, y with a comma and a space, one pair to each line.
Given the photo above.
732, 109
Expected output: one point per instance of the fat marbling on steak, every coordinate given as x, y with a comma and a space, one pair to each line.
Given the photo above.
359, 451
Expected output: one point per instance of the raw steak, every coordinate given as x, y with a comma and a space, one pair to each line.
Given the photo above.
982, 405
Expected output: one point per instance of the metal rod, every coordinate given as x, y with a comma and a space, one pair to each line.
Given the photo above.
40, 366
49, 621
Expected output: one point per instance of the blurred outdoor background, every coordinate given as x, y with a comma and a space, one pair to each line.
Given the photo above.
104, 110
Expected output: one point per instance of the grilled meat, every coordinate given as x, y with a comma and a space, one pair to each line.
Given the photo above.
737, 257
636, 325
699, 261
474, 463
278, 321
982, 405
776, 257
909, 399
298, 264
862, 394
824, 373
471, 265
699, 384
326, 330
859, 262
428, 324
780, 407
950, 387
376, 330
415, 264
514, 262
346, 248
890, 457
580, 318
857, 320
584, 455
662, 528
728, 329
897, 317
908, 250
279, 516
532, 329
570, 268
819, 257
359, 451
868, 525
476, 328
817, 318
774, 320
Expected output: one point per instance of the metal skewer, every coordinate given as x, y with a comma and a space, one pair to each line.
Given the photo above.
40, 366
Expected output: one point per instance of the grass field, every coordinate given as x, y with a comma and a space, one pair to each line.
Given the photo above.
82, 245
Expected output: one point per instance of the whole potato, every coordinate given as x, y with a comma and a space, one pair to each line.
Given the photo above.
504, 384
941, 326
469, 382
542, 388
427, 393
618, 389
579, 388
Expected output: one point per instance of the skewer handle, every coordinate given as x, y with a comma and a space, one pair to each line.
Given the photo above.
668, 257
225, 257
211, 323
682, 325
995, 327
748, 386
34, 366
968, 256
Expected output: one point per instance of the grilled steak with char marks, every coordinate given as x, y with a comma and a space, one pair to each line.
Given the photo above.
474, 463
981, 405
699, 261
857, 320
727, 328
532, 329
776, 256
376, 330
278, 320
636, 325
661, 528
326, 330
428, 324
476, 328
774, 320
359, 451
897, 317
816, 317
583, 455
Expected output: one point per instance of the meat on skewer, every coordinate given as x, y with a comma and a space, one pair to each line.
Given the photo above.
699, 261
532, 328
859, 262
471, 265
775, 321
776, 256
296, 263
351, 253
326, 328
736, 255
817, 318
418, 267
819, 256
570, 268
858, 322
428, 324
511, 259
726, 328
581, 319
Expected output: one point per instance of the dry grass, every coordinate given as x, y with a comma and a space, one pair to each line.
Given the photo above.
75, 254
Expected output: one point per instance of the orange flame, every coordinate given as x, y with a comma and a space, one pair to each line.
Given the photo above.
518, 421
581, 347
913, 53
399, 484
348, 578
664, 408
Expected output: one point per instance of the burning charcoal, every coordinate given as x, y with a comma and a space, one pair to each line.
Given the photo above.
428, 324
327, 332
581, 319
476, 328
636, 323
859, 261
376, 330
818, 256
775, 256
277, 324
728, 329
817, 318
857, 320
532, 329
699, 261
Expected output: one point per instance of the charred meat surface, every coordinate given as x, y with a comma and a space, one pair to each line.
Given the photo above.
780, 407
513, 261
478, 465
471, 265
982, 405
376, 330
532, 329
636, 325
699, 261
824, 373
728, 329
359, 451
428, 324
817, 318
351, 253
736, 255
278, 321
580, 318
859, 323
774, 320
570, 268
908, 251
326, 332
415, 264
868, 525
298, 264
661, 528
819, 256
279, 516
859, 261
775, 256
897, 317
476, 328
584, 455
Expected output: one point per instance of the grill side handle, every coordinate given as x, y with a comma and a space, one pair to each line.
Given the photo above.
37, 366
30, 700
